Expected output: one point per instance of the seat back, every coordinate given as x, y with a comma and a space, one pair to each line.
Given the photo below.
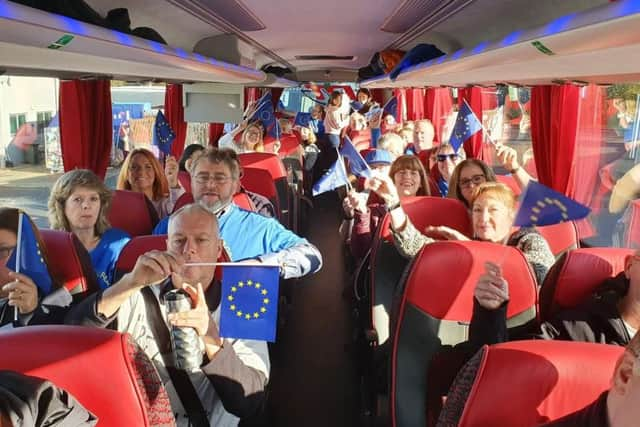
105, 371
510, 182
631, 235
436, 310
289, 144
185, 180
576, 275
140, 245
361, 139
69, 262
260, 181
278, 174
561, 237
132, 212
533, 381
183, 200
387, 263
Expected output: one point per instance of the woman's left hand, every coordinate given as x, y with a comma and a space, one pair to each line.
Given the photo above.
23, 293
171, 171
444, 232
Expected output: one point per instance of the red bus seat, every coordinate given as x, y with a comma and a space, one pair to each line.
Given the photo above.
361, 139
278, 175
104, 370
436, 310
185, 180
183, 200
561, 237
289, 144
576, 275
387, 265
527, 383
140, 245
631, 234
260, 181
69, 262
132, 212
510, 182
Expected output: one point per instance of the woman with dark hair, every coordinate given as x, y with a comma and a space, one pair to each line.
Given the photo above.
189, 153
364, 97
469, 174
18, 289
446, 161
141, 172
79, 203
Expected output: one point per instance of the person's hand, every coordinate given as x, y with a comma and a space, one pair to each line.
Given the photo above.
248, 112
23, 292
492, 290
171, 171
382, 185
153, 267
276, 146
198, 317
508, 157
445, 233
358, 201
347, 207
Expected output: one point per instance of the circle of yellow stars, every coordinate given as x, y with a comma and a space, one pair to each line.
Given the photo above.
542, 204
263, 303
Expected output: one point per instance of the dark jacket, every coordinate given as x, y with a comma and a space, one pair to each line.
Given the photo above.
50, 310
593, 415
596, 320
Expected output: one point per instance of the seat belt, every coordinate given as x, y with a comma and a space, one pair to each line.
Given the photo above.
180, 379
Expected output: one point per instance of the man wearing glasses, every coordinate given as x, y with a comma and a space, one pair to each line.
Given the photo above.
215, 178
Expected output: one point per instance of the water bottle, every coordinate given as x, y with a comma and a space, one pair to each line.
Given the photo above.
185, 342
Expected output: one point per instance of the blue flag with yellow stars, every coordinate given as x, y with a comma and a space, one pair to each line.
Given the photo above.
163, 135
249, 304
27, 257
540, 205
467, 125
357, 165
265, 114
391, 107
302, 119
333, 178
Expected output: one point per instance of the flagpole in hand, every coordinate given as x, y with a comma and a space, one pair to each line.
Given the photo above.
341, 160
484, 129
18, 250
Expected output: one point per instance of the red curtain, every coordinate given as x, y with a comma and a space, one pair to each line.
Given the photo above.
415, 103
438, 104
554, 123
86, 125
473, 146
400, 94
378, 96
215, 132
251, 94
174, 111
275, 96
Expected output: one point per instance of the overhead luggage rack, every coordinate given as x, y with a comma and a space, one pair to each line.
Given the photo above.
34, 42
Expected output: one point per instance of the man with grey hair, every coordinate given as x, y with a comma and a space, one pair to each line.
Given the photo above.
215, 177
230, 383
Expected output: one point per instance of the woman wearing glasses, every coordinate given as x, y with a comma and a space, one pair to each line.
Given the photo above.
79, 203
446, 161
142, 172
466, 176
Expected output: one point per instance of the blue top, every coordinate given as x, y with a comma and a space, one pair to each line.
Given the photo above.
247, 234
443, 186
317, 126
105, 255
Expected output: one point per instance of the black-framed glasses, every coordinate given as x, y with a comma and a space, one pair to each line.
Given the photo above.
475, 180
444, 157
217, 179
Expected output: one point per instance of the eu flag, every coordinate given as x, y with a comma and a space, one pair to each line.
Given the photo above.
467, 124
356, 105
334, 177
541, 205
357, 164
163, 135
264, 113
249, 304
27, 257
391, 107
302, 119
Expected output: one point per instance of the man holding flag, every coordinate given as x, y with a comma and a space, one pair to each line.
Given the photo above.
231, 363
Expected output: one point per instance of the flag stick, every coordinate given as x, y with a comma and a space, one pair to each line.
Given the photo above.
226, 264
484, 129
17, 249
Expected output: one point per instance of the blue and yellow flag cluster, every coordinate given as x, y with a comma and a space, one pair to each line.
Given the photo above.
27, 257
163, 135
249, 305
265, 114
391, 107
302, 119
334, 177
357, 165
540, 205
467, 125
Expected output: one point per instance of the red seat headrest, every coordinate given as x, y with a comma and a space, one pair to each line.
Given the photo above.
444, 276
576, 275
426, 210
105, 371
69, 261
561, 237
185, 180
132, 212
260, 181
527, 383
510, 182
267, 161
183, 200
361, 139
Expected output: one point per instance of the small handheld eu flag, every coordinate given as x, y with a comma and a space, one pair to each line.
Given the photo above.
27, 257
391, 107
357, 164
540, 205
265, 114
249, 304
163, 135
467, 125
334, 177
302, 119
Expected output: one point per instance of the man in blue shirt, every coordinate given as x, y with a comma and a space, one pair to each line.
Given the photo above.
215, 177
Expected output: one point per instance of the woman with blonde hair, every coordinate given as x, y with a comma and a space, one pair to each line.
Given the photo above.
79, 203
141, 172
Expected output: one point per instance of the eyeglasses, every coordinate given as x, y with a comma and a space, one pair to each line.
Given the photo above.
444, 157
6, 251
475, 180
217, 179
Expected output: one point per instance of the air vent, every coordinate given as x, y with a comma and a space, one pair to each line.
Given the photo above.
324, 58
409, 13
233, 12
